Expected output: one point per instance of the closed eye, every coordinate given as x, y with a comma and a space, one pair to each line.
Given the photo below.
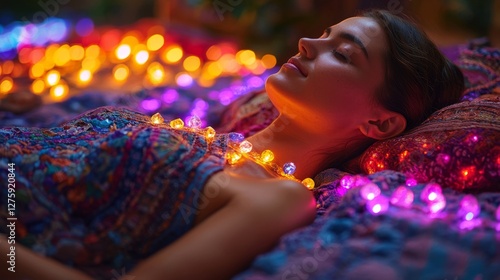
342, 57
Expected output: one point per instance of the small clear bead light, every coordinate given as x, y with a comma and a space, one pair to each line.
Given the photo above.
177, 123
194, 122
246, 147
289, 168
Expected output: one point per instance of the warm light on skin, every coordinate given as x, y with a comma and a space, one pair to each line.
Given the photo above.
120, 72
173, 54
38, 86
6, 85
155, 42
123, 51
52, 77
191, 63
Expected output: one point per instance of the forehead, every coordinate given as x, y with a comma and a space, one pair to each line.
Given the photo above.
367, 30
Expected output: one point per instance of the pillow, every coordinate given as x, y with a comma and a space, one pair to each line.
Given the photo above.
457, 147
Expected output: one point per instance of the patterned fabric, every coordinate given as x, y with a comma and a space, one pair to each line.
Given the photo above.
106, 189
458, 147
348, 242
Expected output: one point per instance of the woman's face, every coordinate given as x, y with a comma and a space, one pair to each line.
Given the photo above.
333, 79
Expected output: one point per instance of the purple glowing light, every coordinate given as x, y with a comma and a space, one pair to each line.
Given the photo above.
369, 191
84, 27
402, 197
430, 192
170, 96
347, 182
469, 207
255, 82
378, 205
438, 204
411, 182
150, 104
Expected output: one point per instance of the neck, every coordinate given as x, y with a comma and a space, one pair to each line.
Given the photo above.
309, 150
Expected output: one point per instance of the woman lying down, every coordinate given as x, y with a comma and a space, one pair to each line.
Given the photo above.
114, 191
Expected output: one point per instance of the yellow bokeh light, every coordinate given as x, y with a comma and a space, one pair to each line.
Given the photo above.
214, 69
50, 51
245, 57
155, 42
91, 64
173, 54
52, 77
92, 51
84, 76
38, 86
120, 72
214, 52
191, 63
229, 64
141, 57
37, 70
76, 52
130, 40
59, 91
156, 73
269, 61
6, 85
123, 51
62, 55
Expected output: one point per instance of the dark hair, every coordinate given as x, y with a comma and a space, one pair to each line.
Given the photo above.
419, 79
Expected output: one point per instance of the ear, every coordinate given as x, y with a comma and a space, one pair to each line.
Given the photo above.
388, 125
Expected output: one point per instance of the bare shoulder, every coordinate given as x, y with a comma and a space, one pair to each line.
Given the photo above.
262, 194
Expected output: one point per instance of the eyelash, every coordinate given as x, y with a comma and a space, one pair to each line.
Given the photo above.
341, 56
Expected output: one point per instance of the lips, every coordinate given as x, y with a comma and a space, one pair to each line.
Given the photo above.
295, 63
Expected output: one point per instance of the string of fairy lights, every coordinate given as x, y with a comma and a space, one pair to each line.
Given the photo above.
146, 53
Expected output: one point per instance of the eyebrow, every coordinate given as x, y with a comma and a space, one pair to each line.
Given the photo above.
352, 38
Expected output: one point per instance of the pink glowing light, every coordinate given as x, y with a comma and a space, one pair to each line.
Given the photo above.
402, 197
170, 96
438, 204
430, 192
369, 191
150, 104
378, 205
469, 207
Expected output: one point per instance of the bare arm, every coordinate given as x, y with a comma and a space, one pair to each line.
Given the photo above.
29, 265
252, 219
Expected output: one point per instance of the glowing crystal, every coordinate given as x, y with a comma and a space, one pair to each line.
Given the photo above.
245, 147
157, 118
289, 168
369, 191
378, 205
177, 123
267, 156
469, 207
402, 197
194, 122
309, 183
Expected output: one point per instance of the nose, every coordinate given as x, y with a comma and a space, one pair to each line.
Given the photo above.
307, 47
